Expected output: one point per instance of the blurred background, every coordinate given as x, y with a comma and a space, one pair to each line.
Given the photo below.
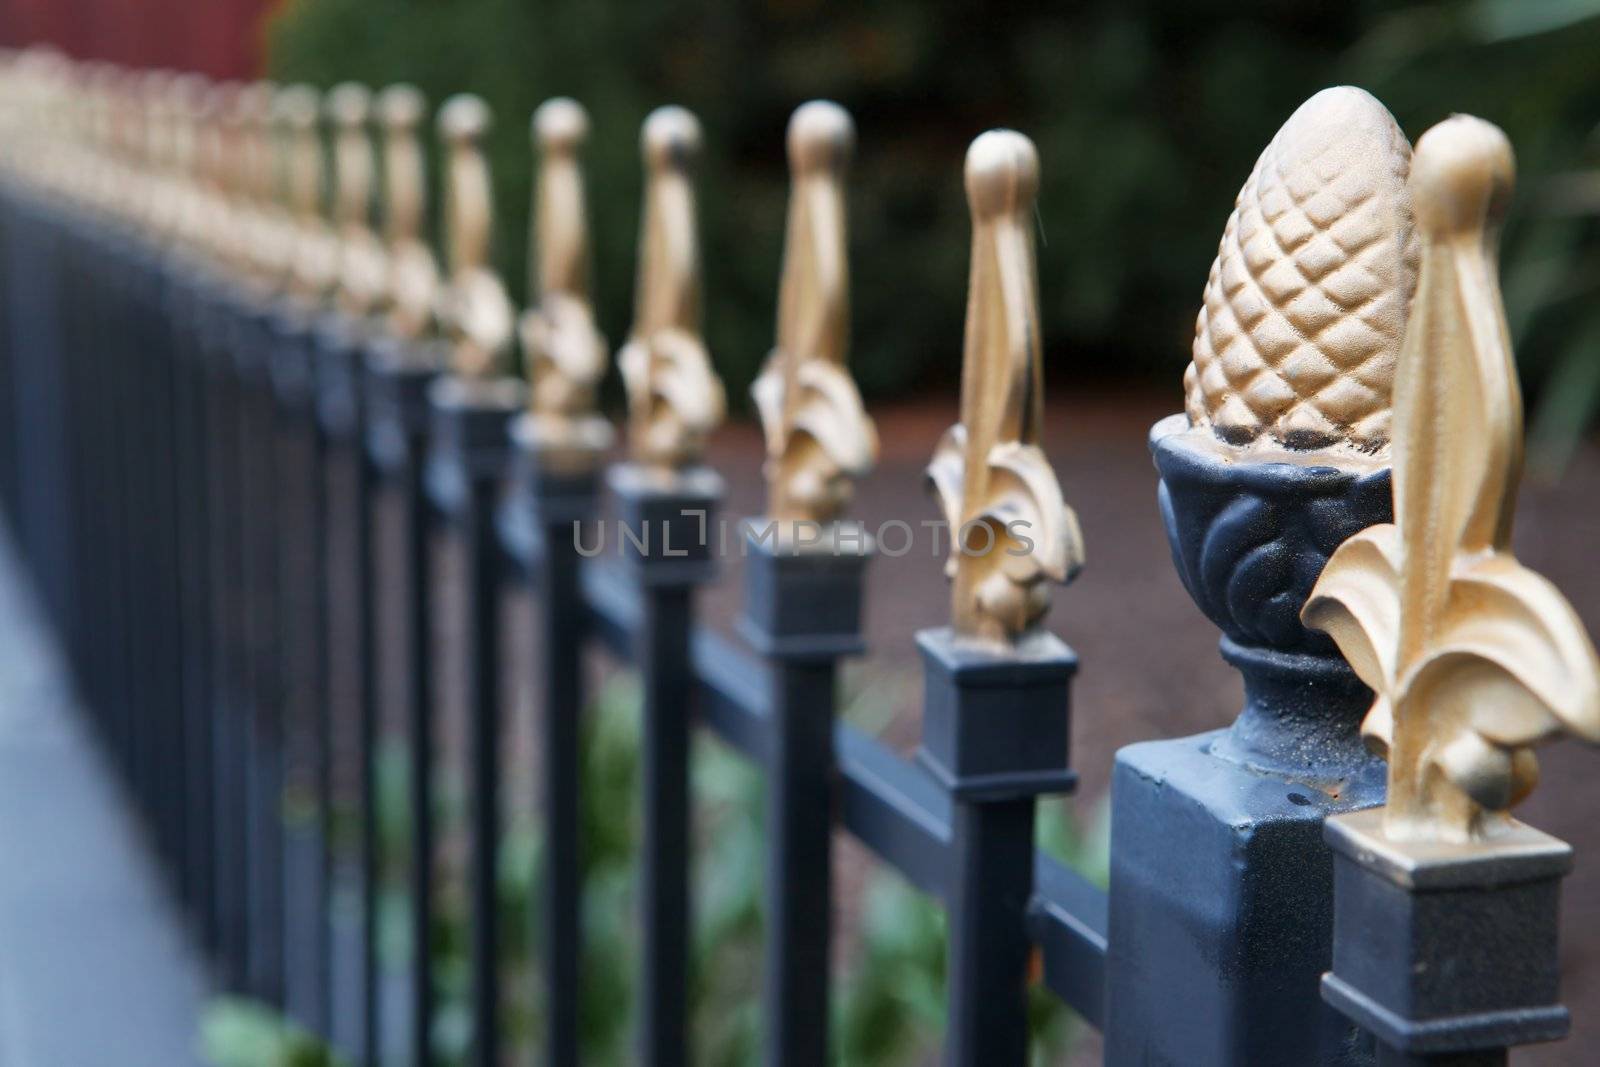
1148, 115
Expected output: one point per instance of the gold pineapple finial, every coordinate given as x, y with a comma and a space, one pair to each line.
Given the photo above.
1011, 530
413, 271
266, 222
1473, 657
674, 396
475, 309
566, 354
818, 434
363, 275
314, 266
1306, 304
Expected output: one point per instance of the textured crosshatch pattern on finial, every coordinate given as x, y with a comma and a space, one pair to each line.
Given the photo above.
1306, 303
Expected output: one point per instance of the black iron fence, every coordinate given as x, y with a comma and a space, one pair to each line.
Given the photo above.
189, 457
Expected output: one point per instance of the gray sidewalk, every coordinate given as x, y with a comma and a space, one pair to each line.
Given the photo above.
96, 969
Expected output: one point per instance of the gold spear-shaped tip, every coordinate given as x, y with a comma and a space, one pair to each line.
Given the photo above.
822, 136
1002, 175
817, 432
1472, 657
474, 306
296, 107
1462, 177
671, 138
559, 126
413, 292
349, 104
565, 354
674, 397
464, 119
1012, 533
401, 107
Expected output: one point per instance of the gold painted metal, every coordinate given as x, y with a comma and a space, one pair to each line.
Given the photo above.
363, 266
474, 308
819, 436
1306, 304
314, 269
675, 398
413, 271
566, 354
1473, 657
1011, 530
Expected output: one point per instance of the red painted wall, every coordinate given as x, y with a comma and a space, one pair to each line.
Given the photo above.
219, 38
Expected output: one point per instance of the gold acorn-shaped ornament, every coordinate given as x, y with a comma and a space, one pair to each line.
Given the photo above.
818, 434
1305, 307
1012, 533
1471, 656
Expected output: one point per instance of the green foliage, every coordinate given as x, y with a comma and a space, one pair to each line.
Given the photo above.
888, 1006
244, 1033
1147, 117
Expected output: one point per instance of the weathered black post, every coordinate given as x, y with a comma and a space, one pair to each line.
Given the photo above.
543, 515
995, 703
466, 471
558, 446
665, 523
399, 373
666, 511
1444, 932
803, 613
259, 483
1220, 903
401, 364
803, 583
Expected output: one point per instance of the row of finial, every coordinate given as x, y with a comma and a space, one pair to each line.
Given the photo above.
238, 172
1352, 317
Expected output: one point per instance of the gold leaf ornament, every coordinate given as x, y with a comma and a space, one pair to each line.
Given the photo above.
1473, 657
818, 435
1013, 533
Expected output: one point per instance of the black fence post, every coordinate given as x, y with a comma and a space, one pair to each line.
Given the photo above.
341, 410
466, 471
301, 641
803, 613
260, 527
1221, 885
1447, 956
540, 523
995, 730
399, 374
667, 522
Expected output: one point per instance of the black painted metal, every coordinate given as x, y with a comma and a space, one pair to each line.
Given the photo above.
398, 378
1213, 946
665, 518
994, 734
539, 526
1447, 956
802, 611
341, 411
467, 469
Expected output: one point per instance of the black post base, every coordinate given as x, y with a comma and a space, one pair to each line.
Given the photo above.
1444, 949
